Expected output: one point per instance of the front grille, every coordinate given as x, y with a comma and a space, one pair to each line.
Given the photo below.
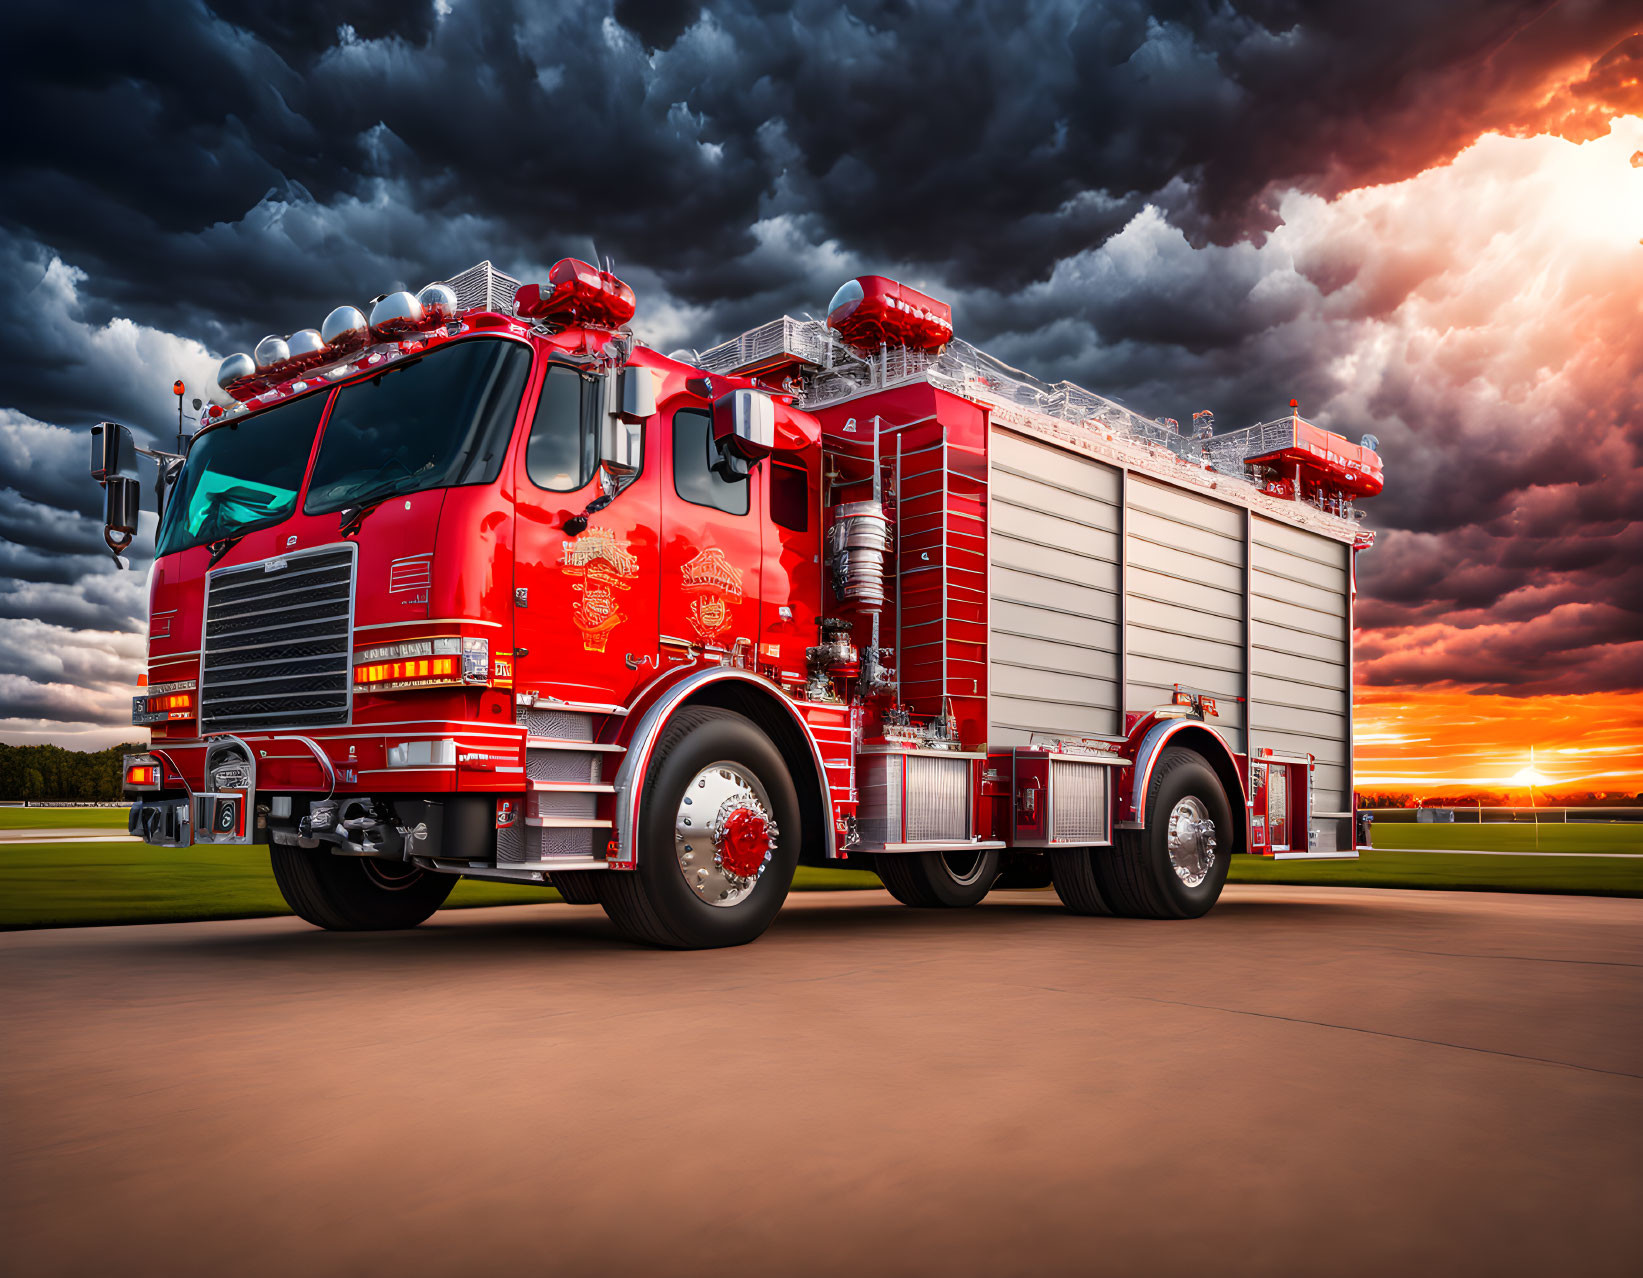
277, 644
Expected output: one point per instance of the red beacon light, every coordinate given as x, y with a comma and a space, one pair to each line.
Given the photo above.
577, 291
871, 309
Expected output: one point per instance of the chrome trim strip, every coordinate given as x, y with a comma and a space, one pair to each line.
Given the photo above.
980, 845
428, 621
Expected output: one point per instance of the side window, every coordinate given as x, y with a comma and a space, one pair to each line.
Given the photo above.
694, 478
564, 447
790, 497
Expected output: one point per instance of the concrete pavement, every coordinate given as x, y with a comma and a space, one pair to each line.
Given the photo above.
1307, 1080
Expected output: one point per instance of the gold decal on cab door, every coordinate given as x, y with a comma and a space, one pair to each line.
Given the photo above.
712, 585
599, 564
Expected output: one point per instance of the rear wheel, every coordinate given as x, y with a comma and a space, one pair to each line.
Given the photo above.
1072, 870
718, 837
939, 880
1176, 866
357, 893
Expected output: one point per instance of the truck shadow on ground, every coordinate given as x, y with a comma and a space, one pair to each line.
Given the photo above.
554, 930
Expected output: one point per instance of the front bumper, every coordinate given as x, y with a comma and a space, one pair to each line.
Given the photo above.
216, 803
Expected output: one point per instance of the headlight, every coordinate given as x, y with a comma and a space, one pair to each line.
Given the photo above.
423, 663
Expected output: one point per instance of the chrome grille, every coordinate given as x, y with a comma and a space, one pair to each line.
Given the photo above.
938, 798
277, 642
561, 765
1079, 793
483, 288
561, 724
880, 788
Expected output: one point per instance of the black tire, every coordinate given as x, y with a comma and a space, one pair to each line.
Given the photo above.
1072, 871
1136, 878
938, 880
578, 887
652, 903
357, 893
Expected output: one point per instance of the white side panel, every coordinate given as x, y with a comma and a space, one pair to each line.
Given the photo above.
1053, 620
1301, 684
1185, 583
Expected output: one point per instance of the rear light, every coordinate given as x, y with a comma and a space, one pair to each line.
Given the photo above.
423, 663
164, 701
143, 772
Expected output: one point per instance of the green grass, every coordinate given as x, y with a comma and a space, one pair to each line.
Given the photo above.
63, 818
76, 884
73, 884
1573, 875
1576, 836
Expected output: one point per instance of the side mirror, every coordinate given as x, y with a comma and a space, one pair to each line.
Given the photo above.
122, 499
637, 398
622, 447
744, 431
630, 401
113, 452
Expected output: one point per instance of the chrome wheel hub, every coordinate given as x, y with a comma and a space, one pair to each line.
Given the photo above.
1191, 840
723, 833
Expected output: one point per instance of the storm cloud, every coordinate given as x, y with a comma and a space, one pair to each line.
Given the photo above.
1383, 211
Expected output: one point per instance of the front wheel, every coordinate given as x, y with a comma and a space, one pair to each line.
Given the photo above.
357, 893
718, 837
1175, 867
939, 880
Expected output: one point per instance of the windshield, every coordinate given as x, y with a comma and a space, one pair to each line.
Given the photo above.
241, 475
442, 420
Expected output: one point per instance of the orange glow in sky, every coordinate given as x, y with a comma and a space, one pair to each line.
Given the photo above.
1424, 742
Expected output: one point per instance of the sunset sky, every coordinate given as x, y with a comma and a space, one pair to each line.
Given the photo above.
1424, 221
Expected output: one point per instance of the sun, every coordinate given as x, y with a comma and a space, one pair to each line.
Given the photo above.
1528, 779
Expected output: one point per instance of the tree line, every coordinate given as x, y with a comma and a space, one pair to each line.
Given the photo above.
51, 774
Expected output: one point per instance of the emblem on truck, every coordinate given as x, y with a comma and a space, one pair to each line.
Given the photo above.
599, 566
713, 586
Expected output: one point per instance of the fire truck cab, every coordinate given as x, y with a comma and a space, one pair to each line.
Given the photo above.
480, 586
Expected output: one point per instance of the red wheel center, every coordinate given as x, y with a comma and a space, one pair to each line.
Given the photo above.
743, 844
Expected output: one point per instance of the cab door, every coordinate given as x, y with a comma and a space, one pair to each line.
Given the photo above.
711, 542
584, 601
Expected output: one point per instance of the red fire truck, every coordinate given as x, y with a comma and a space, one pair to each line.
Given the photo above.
477, 585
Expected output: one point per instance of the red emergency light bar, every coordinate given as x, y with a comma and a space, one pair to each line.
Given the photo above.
871, 309
1326, 460
578, 291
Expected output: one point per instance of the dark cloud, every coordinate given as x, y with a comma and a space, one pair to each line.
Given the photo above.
1139, 196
